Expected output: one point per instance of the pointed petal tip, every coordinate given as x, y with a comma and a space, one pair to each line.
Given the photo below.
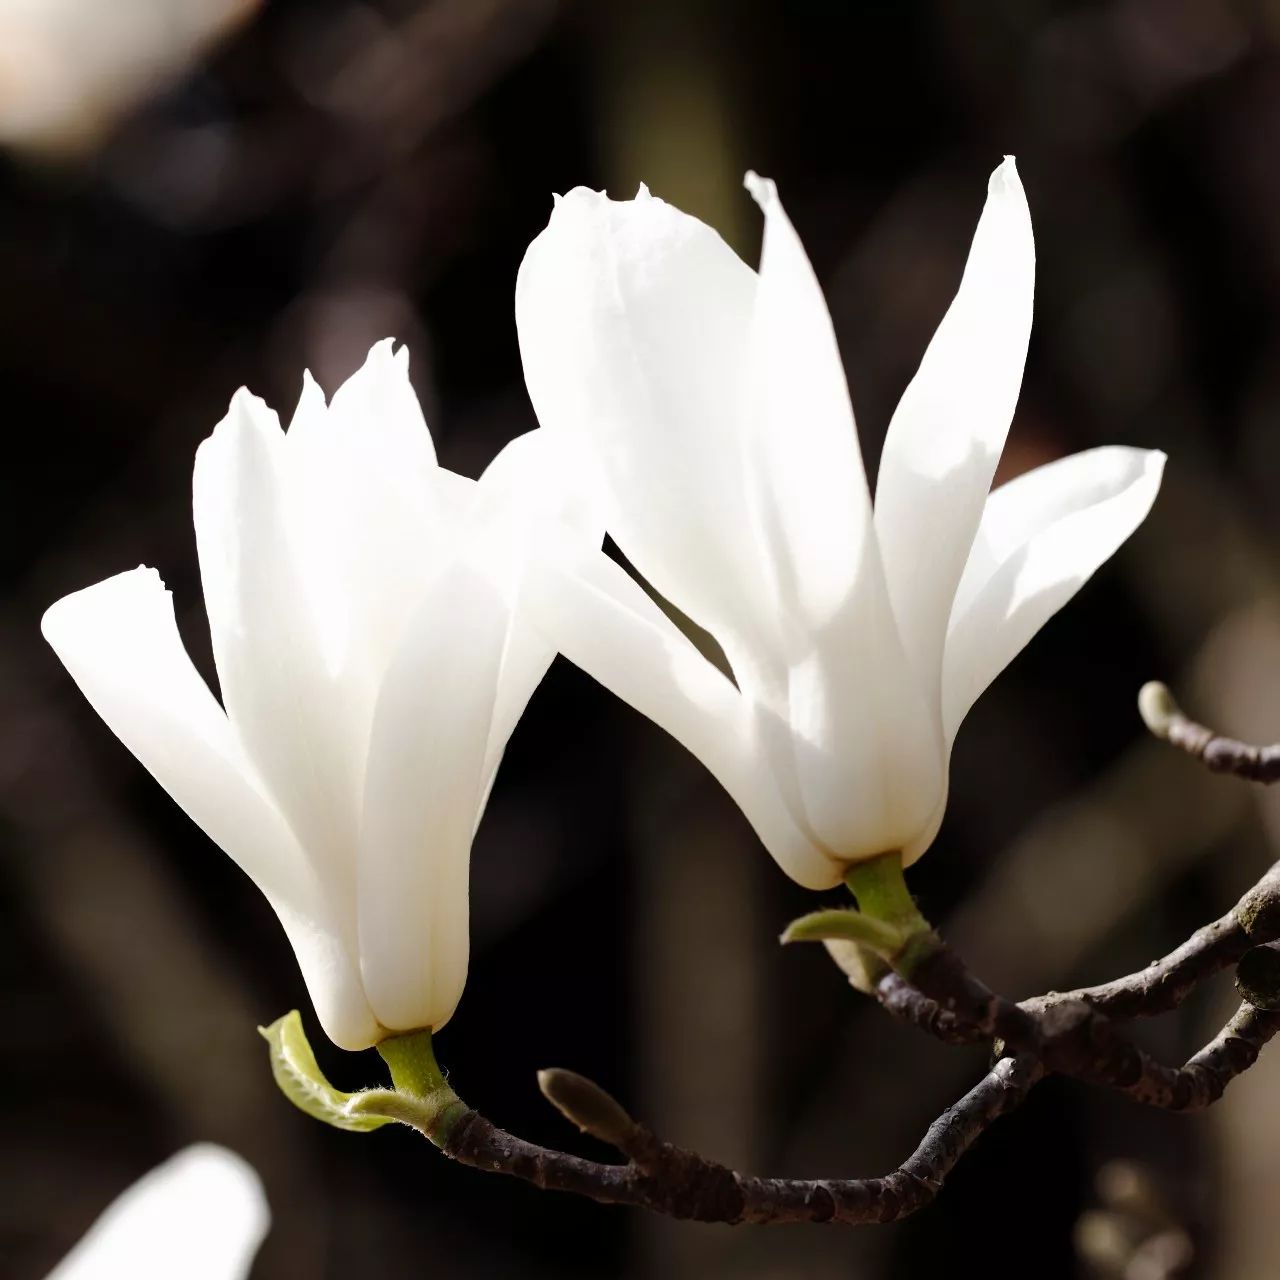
1005, 179
577, 198
246, 412
383, 362
1155, 463
764, 191
577, 202
1146, 464
242, 402
311, 389
643, 192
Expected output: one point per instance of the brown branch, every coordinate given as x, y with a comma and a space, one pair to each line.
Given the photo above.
682, 1184
904, 1002
1229, 1054
1062, 1031
1169, 722
1075, 1033
1163, 985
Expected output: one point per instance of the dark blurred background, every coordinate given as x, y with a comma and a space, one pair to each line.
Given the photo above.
197, 194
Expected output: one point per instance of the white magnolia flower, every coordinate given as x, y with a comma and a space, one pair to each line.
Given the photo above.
708, 406
372, 664
200, 1215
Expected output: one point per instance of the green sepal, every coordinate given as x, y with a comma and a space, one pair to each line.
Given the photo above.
863, 967
840, 924
300, 1079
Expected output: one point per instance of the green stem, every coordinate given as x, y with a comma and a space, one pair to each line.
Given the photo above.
881, 890
887, 926
882, 894
413, 1065
430, 1103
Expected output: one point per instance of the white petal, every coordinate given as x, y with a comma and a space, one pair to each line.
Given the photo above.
729, 456
634, 322
529, 503
853, 745
423, 792
319, 540
867, 751
201, 1215
535, 487
279, 695
365, 493
1047, 533
950, 426
807, 481
602, 620
379, 407
918, 846
120, 643
1030, 503
331, 973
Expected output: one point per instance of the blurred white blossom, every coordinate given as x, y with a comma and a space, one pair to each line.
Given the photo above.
200, 1215
70, 68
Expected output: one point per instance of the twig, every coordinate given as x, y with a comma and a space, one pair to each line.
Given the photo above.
1073, 1033
682, 1184
899, 998
1163, 985
1063, 1032
1168, 721
1229, 1054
